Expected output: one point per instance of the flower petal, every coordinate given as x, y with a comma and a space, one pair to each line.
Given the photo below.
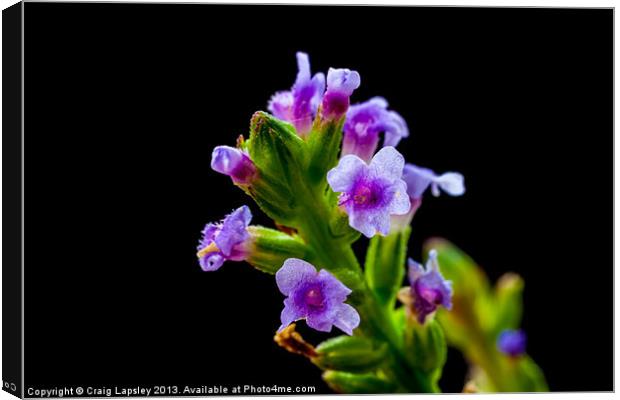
342, 80
292, 273
333, 289
388, 163
417, 179
288, 315
400, 203
452, 183
347, 319
233, 231
211, 261
342, 177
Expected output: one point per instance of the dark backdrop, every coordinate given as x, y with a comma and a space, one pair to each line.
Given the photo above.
124, 104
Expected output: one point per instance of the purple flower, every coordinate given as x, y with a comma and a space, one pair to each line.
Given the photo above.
512, 342
299, 105
428, 288
371, 193
419, 179
317, 297
226, 240
340, 86
234, 163
364, 123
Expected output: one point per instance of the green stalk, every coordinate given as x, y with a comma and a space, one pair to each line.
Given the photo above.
340, 259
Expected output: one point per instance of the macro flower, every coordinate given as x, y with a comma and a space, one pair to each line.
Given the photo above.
370, 193
341, 83
317, 297
364, 123
234, 163
418, 179
299, 105
226, 240
512, 342
429, 289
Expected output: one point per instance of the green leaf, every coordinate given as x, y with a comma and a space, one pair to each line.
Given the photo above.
350, 354
346, 382
385, 265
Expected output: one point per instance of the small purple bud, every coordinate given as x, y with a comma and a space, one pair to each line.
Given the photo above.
226, 240
364, 123
317, 297
370, 194
340, 86
234, 163
299, 105
428, 287
512, 342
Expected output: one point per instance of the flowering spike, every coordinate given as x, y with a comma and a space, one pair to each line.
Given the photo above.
428, 287
227, 240
341, 83
299, 105
317, 297
234, 163
512, 342
364, 123
371, 193
418, 179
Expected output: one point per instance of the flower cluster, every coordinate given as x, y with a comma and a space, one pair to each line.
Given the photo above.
325, 171
372, 186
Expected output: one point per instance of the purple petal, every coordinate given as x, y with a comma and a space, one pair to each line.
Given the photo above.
417, 179
303, 67
396, 130
293, 272
416, 270
211, 261
451, 183
342, 177
288, 315
347, 319
333, 289
342, 80
208, 234
281, 105
320, 322
233, 231
234, 163
388, 163
400, 200
369, 222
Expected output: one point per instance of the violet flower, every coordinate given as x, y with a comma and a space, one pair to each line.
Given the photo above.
226, 240
299, 105
512, 342
341, 83
419, 179
234, 163
364, 123
428, 287
371, 193
317, 297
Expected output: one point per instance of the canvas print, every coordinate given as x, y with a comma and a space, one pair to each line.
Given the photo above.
296, 200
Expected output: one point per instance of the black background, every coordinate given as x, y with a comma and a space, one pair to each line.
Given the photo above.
124, 104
